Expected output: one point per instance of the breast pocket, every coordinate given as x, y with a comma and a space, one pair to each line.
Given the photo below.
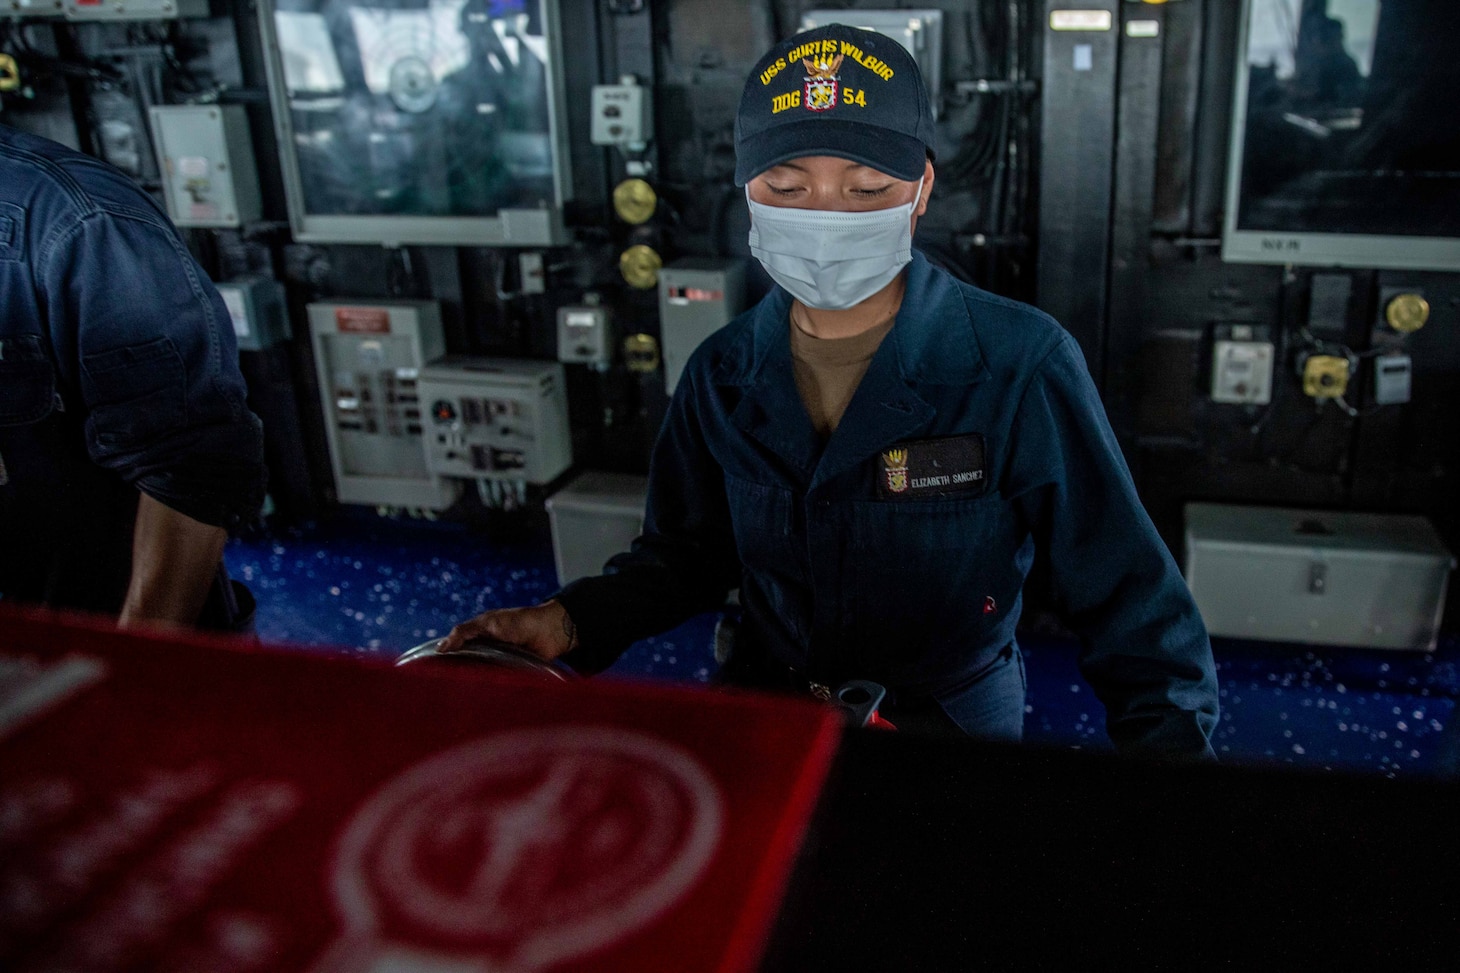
921, 567
772, 552
137, 393
27, 381
762, 518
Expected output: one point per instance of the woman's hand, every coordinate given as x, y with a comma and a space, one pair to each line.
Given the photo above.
545, 630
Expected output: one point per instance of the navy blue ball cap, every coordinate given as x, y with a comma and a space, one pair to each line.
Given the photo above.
835, 90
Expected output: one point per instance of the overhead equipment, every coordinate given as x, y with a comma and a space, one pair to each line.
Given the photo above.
420, 121
1344, 150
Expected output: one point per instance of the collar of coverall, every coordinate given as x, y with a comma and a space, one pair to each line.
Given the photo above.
933, 338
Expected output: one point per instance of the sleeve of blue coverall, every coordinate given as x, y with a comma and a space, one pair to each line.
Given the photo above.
683, 564
1146, 652
145, 338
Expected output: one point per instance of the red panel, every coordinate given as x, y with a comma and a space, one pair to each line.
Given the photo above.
363, 320
170, 804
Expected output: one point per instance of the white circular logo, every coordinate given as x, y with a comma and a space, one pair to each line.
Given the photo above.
529, 847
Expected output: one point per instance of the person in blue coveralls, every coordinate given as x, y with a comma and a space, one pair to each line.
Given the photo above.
127, 449
875, 453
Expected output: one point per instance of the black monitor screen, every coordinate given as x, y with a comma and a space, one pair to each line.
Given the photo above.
417, 107
1352, 121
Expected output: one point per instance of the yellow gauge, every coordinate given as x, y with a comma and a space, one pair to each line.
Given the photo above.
641, 353
1325, 376
1407, 313
9, 73
640, 266
634, 201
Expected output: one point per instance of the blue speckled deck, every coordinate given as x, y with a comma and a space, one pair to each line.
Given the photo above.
1352, 710
371, 586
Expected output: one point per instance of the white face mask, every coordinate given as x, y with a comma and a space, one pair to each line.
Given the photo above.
830, 260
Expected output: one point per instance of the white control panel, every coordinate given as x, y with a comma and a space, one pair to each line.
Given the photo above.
496, 419
369, 357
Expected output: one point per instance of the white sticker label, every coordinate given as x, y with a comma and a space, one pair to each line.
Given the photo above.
1084, 57
1143, 28
1080, 19
193, 166
233, 300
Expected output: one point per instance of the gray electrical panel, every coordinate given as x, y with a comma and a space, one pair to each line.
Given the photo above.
697, 297
32, 8
135, 9
1364, 580
206, 158
368, 358
496, 419
256, 307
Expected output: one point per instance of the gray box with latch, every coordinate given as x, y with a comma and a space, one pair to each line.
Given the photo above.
593, 518
1356, 579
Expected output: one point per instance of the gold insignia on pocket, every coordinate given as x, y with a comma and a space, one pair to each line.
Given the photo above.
895, 460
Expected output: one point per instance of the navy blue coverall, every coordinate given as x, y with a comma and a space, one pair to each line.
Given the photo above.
118, 373
850, 569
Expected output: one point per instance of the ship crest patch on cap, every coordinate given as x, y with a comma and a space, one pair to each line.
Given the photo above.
821, 80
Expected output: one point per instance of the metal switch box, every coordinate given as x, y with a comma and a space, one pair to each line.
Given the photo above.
207, 164
584, 336
697, 297
621, 115
1242, 372
1392, 379
256, 307
496, 419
